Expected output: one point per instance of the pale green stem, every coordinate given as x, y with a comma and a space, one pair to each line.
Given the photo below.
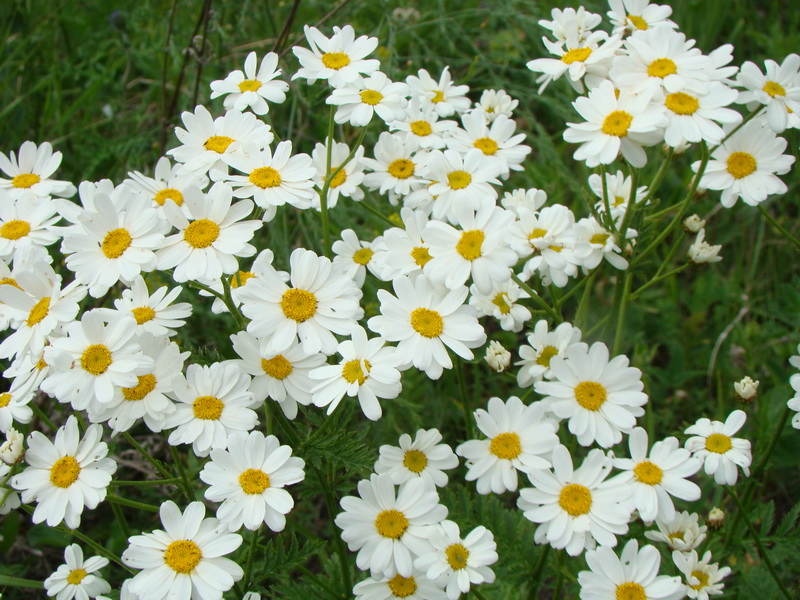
131, 503
623, 304
251, 554
785, 232
187, 486
658, 278
323, 195
536, 298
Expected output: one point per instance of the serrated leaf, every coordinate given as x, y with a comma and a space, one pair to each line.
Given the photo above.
285, 553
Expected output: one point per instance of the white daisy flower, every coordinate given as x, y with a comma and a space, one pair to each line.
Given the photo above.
462, 183
632, 576
542, 346
615, 124
496, 140
9, 499
339, 59
683, 533
456, 563
601, 398
322, 301
424, 458
414, 587
569, 20
494, 103
778, 89
387, 527
478, 250
14, 408
654, 478
185, 559
66, 476
212, 402
283, 377
746, 166
368, 370
249, 477
502, 303
154, 313
253, 88
359, 100
11, 451
273, 178
94, 360
210, 239
794, 403
445, 97
631, 15
617, 191
405, 250
702, 252
354, 256
168, 184
532, 199
206, 141
424, 321
113, 245
693, 117
78, 578
30, 172
703, 578
519, 438
714, 444
548, 238
593, 243
575, 508
421, 124
347, 181
396, 166
27, 221
148, 398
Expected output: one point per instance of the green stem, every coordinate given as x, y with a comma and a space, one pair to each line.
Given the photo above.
762, 550
120, 517
230, 304
631, 208
205, 288
146, 483
623, 305
477, 593
187, 486
344, 562
537, 573
658, 278
251, 554
733, 131
779, 227
607, 205
40, 413
558, 594
662, 170
156, 464
323, 195
102, 550
318, 581
131, 503
19, 582
536, 298
376, 212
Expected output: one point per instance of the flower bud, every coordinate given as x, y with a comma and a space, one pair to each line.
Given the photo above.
746, 390
11, 452
715, 519
497, 357
693, 224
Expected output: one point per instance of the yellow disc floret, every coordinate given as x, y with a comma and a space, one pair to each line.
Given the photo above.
25, 180
277, 366
201, 233
218, 143
415, 461
254, 481
630, 591
115, 243
469, 246
575, 499
576, 55
662, 67
457, 556
617, 123
147, 383
426, 322
335, 60
265, 177
741, 164
391, 524
208, 408
506, 446
718, 443
458, 180
298, 305
14, 230
590, 395
96, 359
168, 194
402, 168
183, 556
64, 472
648, 473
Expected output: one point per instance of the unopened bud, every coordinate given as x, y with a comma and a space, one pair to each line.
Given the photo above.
715, 519
11, 452
497, 357
693, 224
746, 390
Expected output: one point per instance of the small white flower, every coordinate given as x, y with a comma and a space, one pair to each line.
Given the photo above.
703, 578
632, 15
30, 172
360, 100
424, 458
702, 252
252, 88
347, 180
494, 103
746, 389
462, 183
542, 346
713, 442
502, 303
338, 59
77, 578
778, 89
497, 357
445, 97
693, 224
682, 533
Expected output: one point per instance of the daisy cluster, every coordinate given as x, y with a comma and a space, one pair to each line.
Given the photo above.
462, 257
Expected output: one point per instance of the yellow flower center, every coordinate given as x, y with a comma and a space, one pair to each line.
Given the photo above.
486, 145
619, 200
277, 366
265, 177
64, 472
363, 256
208, 408
115, 243
661, 67
590, 395
630, 591
536, 234
506, 446
339, 178
25, 180
298, 305
457, 556
774, 89
458, 180
402, 587
702, 577
469, 246
201, 233
335, 60
168, 194
420, 255
415, 461
638, 22
421, 128
391, 524
678, 535
76, 576
617, 123
741, 164
718, 443
682, 104
254, 481
5, 398
576, 55
500, 302
599, 238
575, 499
438, 96
547, 353
371, 97
648, 473
352, 371
183, 556
427, 323
39, 311
249, 85
96, 359
147, 383
143, 314
218, 143
41, 364
240, 278
402, 168
14, 230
